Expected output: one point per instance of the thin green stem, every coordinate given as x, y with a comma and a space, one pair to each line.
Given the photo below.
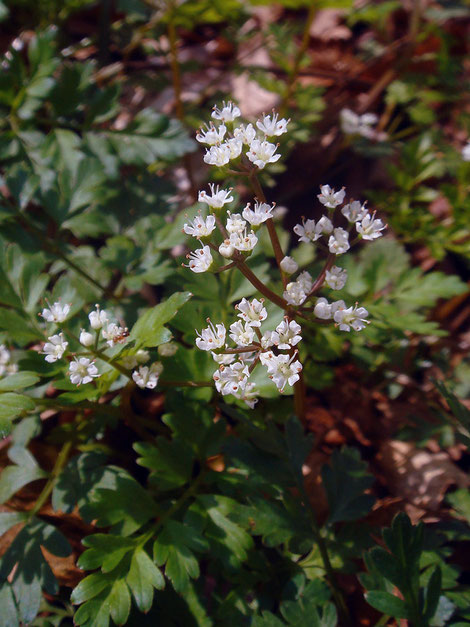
46, 491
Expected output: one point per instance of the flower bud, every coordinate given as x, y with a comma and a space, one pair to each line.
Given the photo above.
168, 349
142, 356
86, 338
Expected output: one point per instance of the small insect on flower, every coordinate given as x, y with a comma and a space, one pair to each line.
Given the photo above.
55, 347
56, 313
115, 334
82, 370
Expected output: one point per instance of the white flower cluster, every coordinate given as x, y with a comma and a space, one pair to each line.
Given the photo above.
367, 226
345, 317
239, 228
226, 145
354, 124
83, 369
6, 367
251, 347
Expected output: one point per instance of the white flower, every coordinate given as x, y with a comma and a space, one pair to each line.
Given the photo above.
259, 214
322, 309
147, 377
230, 379
82, 370
286, 334
218, 155
369, 228
270, 126
226, 249
288, 265
211, 337
354, 317
224, 359
262, 153
242, 335
282, 369
56, 313
336, 278
98, 318
305, 281
200, 227
338, 243
246, 133
466, 152
6, 368
218, 198
354, 211
235, 146
329, 197
113, 333
309, 231
167, 349
248, 394
4, 355
267, 340
354, 124
212, 135
235, 223
86, 338
243, 242
55, 347
200, 260
228, 113
295, 294
253, 313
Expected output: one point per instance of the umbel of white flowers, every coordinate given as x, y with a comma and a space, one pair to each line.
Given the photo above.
103, 332
236, 364
230, 141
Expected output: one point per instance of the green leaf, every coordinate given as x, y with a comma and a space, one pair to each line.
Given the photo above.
13, 478
9, 614
460, 501
105, 551
228, 540
89, 587
387, 603
432, 593
174, 547
127, 505
10, 519
11, 406
171, 462
119, 601
32, 571
345, 481
149, 330
18, 381
142, 578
